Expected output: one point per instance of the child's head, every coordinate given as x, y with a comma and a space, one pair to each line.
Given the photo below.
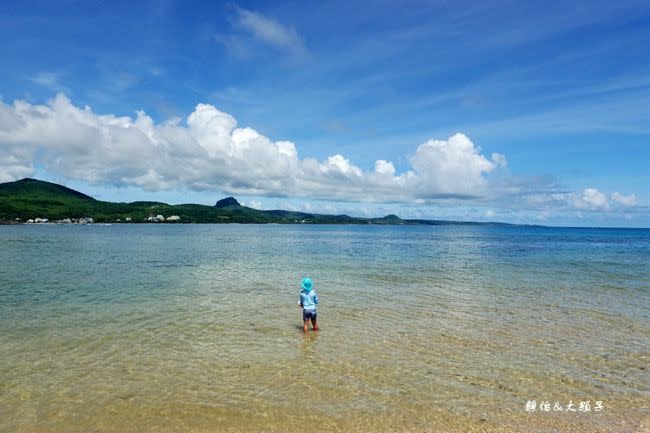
306, 284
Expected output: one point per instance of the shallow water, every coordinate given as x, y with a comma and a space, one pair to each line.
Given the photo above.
136, 328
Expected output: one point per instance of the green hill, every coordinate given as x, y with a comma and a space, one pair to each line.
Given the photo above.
30, 198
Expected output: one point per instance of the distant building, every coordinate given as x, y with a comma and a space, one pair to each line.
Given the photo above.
156, 219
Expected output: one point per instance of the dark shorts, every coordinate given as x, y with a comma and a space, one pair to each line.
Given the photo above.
308, 315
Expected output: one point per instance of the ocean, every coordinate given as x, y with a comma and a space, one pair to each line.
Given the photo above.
195, 328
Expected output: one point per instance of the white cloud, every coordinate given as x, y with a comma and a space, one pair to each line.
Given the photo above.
12, 167
590, 199
210, 152
263, 29
450, 167
500, 160
253, 203
384, 168
624, 200
338, 164
49, 80
46, 79
593, 199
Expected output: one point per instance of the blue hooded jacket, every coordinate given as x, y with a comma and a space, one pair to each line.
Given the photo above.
308, 297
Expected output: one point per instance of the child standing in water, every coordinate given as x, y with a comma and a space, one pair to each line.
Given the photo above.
308, 300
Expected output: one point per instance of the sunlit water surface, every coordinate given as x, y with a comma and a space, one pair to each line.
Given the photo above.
142, 328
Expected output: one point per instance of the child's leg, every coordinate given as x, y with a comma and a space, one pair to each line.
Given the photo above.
314, 324
305, 326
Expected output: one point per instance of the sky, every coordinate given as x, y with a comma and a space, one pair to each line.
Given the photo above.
522, 112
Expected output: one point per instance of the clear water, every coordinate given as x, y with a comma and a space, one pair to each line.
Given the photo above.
138, 328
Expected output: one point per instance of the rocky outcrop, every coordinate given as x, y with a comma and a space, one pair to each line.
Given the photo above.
227, 202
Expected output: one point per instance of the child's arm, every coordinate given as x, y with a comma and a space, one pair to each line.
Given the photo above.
315, 298
300, 301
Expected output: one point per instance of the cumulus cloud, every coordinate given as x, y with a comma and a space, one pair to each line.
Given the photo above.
209, 151
253, 203
13, 168
450, 167
500, 160
624, 200
593, 199
590, 199
384, 168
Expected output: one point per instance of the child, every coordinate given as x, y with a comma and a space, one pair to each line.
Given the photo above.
308, 300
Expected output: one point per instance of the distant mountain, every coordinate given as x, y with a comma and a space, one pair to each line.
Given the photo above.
227, 202
36, 188
28, 199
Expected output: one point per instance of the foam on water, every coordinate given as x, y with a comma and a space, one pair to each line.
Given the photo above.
195, 328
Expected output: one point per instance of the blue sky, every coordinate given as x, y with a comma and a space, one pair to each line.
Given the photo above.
526, 112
